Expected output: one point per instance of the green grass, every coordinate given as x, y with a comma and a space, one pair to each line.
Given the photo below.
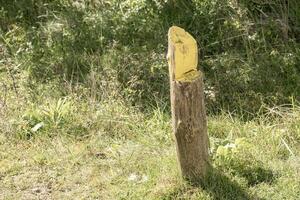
109, 150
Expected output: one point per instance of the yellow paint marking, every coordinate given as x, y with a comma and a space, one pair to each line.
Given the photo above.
189, 76
185, 53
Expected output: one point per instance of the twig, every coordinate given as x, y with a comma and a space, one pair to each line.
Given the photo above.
287, 146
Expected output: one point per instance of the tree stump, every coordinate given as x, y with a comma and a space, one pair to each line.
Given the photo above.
187, 105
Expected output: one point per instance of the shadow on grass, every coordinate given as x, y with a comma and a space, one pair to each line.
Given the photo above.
257, 175
221, 187
217, 185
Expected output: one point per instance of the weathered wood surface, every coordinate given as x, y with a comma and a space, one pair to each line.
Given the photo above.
187, 102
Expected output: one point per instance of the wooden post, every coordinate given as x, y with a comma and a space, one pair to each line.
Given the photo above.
187, 104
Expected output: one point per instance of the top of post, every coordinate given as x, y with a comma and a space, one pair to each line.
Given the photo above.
182, 54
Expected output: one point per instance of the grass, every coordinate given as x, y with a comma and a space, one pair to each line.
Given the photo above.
109, 150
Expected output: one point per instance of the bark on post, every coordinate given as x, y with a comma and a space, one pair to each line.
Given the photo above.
187, 102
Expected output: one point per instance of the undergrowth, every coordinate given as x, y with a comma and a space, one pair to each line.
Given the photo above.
249, 50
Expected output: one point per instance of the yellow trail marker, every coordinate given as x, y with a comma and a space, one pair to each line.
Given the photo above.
182, 55
187, 105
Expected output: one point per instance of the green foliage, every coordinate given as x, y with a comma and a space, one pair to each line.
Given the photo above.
45, 119
249, 50
239, 160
